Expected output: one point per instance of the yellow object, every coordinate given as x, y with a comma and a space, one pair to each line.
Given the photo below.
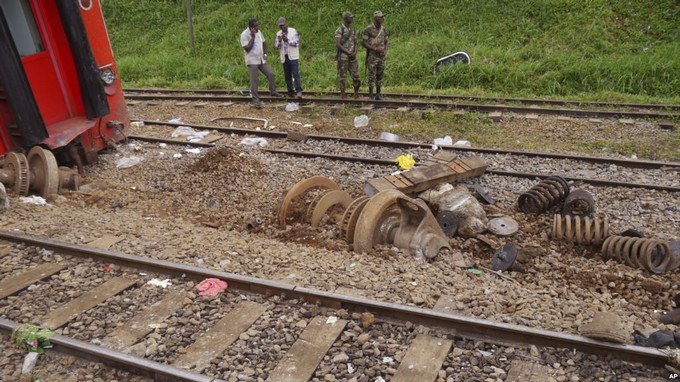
406, 162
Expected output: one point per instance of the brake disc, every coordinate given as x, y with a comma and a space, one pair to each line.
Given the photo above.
18, 163
350, 217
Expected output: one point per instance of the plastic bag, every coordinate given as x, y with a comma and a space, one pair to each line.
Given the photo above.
183, 130
254, 142
361, 121
128, 162
292, 106
446, 141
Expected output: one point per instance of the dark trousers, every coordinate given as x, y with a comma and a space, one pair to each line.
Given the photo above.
291, 72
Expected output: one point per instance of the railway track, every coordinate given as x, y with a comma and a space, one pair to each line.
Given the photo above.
500, 101
422, 105
299, 333
403, 145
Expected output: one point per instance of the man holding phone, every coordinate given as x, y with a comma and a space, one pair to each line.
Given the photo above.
288, 43
255, 54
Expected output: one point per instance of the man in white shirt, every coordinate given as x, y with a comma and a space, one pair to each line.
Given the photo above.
255, 54
288, 43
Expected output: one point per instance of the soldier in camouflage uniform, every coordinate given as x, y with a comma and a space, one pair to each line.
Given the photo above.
346, 44
375, 41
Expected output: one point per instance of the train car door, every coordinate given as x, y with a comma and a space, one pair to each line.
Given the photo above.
41, 42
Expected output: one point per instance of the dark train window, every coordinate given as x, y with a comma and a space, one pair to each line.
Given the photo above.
22, 25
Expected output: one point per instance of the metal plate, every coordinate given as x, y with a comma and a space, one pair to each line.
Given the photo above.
504, 258
503, 226
448, 222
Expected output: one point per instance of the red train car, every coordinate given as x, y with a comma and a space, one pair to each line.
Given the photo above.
59, 84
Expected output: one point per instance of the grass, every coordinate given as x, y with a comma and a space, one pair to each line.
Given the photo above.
583, 49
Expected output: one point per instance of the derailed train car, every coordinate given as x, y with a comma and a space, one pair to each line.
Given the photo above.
61, 100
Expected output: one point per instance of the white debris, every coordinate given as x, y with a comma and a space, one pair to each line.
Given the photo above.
254, 141
193, 151
462, 144
178, 155
292, 106
4, 200
350, 368
361, 121
307, 125
128, 162
446, 141
198, 136
379, 379
183, 130
161, 283
176, 120
162, 145
388, 360
332, 320
29, 362
33, 199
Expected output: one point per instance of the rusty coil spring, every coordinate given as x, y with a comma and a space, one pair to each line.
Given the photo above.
580, 229
544, 195
650, 254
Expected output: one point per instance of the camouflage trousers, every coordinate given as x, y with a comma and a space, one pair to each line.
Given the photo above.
375, 66
351, 66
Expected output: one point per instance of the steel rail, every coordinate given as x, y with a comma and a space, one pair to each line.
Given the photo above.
387, 162
630, 163
136, 365
531, 101
425, 105
460, 324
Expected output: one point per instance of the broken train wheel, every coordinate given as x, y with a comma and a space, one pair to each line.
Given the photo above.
300, 188
323, 202
350, 217
44, 171
18, 164
378, 221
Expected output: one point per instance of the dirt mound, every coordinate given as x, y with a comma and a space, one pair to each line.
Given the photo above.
228, 159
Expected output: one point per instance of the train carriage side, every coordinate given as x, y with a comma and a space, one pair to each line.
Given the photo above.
59, 84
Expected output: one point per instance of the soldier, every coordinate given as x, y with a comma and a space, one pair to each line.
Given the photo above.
375, 41
346, 44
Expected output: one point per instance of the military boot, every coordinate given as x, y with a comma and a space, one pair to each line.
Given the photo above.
377, 93
356, 93
370, 92
343, 95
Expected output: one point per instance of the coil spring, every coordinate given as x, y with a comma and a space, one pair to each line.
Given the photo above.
650, 254
544, 195
580, 229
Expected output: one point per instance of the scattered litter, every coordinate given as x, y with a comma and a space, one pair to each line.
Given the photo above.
474, 271
211, 287
332, 320
462, 144
4, 200
388, 360
485, 354
350, 368
142, 273
176, 120
361, 121
292, 106
405, 162
161, 283
379, 379
296, 123
33, 199
183, 130
162, 145
29, 362
45, 252
385, 136
137, 124
307, 125
198, 136
128, 162
254, 141
178, 155
193, 151
160, 153
446, 141
353, 265
32, 338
